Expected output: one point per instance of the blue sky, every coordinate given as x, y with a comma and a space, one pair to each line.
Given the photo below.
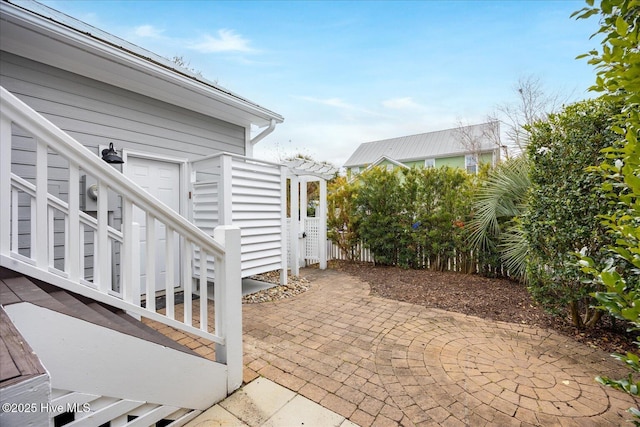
346, 72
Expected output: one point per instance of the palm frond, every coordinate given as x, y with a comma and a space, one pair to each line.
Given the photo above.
499, 199
514, 250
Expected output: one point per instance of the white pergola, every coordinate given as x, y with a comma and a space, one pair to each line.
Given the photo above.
300, 172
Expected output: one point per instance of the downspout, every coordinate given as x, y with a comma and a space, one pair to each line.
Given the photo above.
259, 137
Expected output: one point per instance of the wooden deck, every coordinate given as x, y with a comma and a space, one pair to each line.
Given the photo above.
17, 360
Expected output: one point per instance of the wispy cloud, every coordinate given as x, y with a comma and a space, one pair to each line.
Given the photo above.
331, 102
401, 103
148, 31
337, 103
225, 41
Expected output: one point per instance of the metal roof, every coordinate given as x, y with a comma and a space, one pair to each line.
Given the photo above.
443, 143
46, 35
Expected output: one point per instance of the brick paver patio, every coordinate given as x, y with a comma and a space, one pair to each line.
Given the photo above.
380, 362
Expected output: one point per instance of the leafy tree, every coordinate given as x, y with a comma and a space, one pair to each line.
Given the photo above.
563, 206
342, 217
618, 77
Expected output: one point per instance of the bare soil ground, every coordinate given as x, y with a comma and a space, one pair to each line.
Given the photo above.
496, 299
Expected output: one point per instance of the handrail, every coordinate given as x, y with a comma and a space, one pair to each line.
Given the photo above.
223, 246
19, 112
61, 205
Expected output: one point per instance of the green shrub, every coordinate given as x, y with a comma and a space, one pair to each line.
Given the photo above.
564, 202
415, 217
342, 218
618, 77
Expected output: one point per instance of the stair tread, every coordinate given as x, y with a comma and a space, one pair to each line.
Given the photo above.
152, 416
158, 337
7, 296
139, 329
6, 273
80, 310
14, 289
107, 413
28, 291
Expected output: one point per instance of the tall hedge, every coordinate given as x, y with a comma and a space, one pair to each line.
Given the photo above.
415, 217
564, 203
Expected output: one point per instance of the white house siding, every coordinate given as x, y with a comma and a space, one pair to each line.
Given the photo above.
257, 210
96, 114
255, 190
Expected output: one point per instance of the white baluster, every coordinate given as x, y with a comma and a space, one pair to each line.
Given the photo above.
126, 260
74, 262
102, 262
204, 316
14, 220
50, 236
8, 218
187, 280
151, 262
39, 242
169, 273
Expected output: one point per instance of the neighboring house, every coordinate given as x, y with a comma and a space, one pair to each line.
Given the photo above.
464, 147
83, 241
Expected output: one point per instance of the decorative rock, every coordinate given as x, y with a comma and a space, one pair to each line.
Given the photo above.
295, 286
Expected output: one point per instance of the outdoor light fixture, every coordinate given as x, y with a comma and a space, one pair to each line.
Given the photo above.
110, 155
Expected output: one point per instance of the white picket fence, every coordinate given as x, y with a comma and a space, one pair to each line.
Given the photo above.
358, 253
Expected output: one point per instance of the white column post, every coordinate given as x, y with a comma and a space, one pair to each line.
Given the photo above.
225, 190
323, 225
228, 304
283, 224
294, 238
303, 220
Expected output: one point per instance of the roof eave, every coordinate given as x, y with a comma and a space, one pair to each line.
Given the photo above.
111, 64
415, 159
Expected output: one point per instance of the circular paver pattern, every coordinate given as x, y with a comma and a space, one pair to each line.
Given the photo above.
381, 362
452, 369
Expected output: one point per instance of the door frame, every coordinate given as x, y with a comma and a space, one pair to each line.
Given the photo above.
182, 188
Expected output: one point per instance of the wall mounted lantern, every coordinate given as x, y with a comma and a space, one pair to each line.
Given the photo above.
110, 155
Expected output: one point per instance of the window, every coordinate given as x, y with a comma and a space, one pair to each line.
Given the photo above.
470, 163
390, 167
429, 163
355, 170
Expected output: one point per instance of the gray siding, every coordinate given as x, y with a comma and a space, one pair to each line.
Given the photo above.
96, 114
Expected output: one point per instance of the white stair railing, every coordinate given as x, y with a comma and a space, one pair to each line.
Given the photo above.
52, 239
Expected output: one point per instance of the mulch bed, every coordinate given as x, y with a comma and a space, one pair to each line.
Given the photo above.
496, 299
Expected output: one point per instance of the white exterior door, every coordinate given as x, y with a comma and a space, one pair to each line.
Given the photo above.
162, 180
